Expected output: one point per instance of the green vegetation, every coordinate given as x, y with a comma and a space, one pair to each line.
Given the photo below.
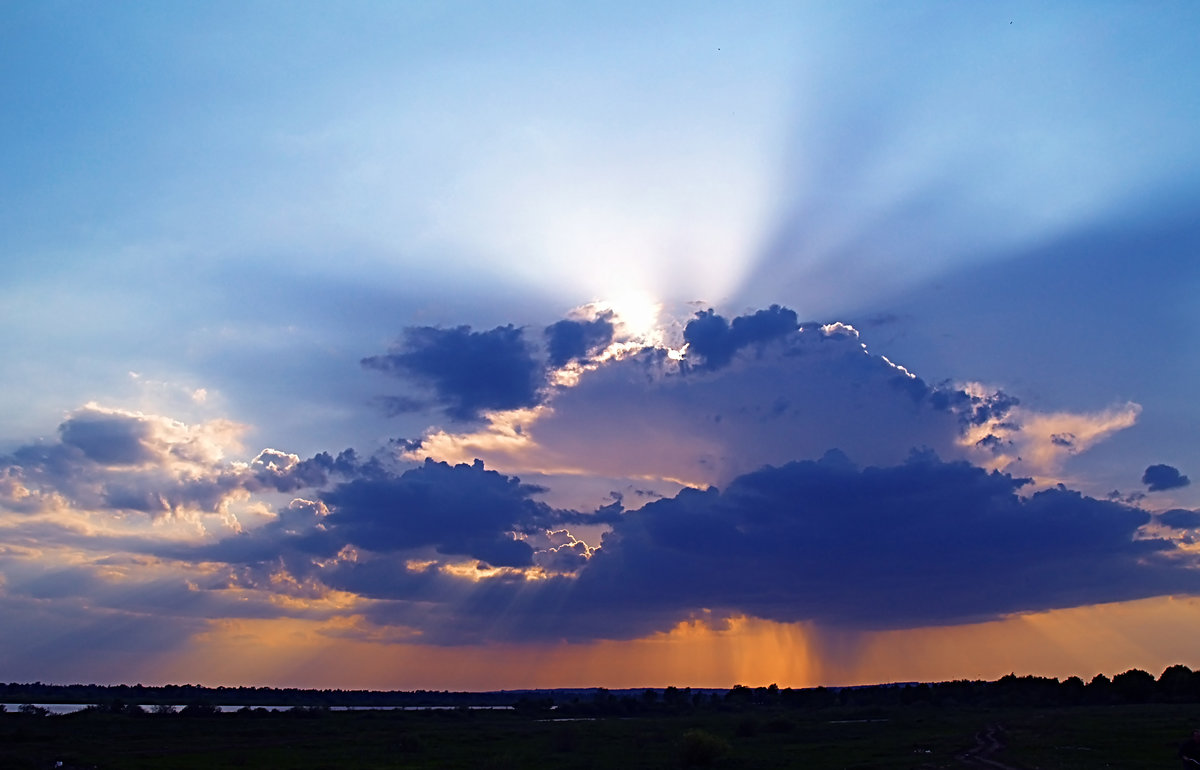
917, 736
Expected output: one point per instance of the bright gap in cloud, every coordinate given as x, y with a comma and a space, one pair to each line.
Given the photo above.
637, 315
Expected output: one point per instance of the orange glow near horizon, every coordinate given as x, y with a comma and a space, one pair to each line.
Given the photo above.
1149, 634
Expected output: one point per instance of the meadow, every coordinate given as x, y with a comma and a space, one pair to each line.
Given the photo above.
916, 735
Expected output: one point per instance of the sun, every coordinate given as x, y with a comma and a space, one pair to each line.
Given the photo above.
637, 316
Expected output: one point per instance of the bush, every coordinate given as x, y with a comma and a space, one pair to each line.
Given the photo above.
747, 728
34, 711
700, 748
116, 707
200, 710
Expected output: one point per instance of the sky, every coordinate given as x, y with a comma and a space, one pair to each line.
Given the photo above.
499, 345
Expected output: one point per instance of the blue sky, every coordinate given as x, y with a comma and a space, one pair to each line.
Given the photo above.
945, 242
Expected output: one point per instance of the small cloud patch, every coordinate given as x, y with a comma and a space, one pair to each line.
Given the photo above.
1160, 477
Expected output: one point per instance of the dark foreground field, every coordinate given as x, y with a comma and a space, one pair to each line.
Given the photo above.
918, 736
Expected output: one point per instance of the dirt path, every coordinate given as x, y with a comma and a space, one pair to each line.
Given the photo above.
988, 743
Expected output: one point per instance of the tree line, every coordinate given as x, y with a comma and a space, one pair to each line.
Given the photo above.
1176, 684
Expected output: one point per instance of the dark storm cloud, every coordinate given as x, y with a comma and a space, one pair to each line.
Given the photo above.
1160, 477
569, 340
1179, 518
462, 509
716, 340
926, 542
470, 372
391, 579
920, 543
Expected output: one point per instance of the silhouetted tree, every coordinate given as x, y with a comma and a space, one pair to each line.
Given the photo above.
1071, 691
1179, 684
527, 704
1099, 690
739, 695
1134, 686
200, 710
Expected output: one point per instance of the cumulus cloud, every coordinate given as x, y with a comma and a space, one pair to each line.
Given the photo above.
760, 389
781, 393
464, 510
380, 523
111, 438
924, 542
716, 340
469, 372
1161, 477
569, 340
1179, 518
120, 460
558, 551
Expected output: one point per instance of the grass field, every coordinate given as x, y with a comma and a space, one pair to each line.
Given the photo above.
917, 736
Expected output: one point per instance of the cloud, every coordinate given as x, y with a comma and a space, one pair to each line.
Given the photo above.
559, 551
1179, 518
758, 390
1161, 477
569, 340
435, 509
285, 472
921, 543
464, 510
716, 340
83, 643
112, 460
110, 438
783, 393
118, 459
924, 542
469, 372
1039, 443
